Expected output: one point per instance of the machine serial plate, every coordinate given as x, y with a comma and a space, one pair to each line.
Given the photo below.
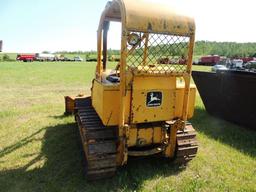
154, 99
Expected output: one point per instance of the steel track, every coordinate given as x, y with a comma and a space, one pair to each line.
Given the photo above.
186, 146
99, 141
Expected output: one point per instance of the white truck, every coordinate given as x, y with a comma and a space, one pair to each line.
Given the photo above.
236, 64
45, 57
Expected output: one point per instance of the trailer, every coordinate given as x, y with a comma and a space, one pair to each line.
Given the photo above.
209, 60
247, 59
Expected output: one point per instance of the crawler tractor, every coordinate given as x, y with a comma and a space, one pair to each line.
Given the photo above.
141, 107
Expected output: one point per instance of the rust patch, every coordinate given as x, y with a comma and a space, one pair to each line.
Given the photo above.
150, 27
191, 28
138, 108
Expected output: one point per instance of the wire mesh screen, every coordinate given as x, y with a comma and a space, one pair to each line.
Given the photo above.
157, 53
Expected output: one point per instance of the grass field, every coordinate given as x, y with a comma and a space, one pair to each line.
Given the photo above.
40, 148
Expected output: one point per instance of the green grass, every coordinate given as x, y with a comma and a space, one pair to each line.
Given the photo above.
40, 148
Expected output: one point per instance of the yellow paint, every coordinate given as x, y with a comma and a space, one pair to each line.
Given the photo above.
179, 101
141, 15
156, 18
105, 100
141, 87
145, 136
124, 103
158, 135
132, 137
170, 148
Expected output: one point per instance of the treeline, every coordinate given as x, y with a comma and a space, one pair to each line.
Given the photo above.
229, 49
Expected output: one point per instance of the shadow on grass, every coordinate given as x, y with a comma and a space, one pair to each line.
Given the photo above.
21, 143
62, 116
63, 168
238, 137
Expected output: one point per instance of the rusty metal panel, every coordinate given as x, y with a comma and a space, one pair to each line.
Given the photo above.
148, 16
139, 136
145, 136
229, 95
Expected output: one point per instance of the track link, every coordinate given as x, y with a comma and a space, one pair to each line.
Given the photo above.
99, 141
187, 146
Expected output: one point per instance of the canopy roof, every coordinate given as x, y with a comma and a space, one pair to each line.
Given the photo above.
148, 16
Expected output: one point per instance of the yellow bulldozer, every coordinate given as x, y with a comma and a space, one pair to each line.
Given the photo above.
140, 107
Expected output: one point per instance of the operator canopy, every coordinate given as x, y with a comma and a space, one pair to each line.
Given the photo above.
146, 16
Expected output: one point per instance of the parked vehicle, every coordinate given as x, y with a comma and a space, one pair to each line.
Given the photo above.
67, 59
91, 59
26, 57
250, 66
247, 59
45, 57
77, 58
236, 64
209, 60
59, 57
219, 67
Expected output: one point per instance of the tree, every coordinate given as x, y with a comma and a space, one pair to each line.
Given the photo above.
6, 58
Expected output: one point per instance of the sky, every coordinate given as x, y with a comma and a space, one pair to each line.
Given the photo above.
71, 25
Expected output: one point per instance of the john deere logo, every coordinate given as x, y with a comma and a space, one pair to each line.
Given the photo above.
154, 99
